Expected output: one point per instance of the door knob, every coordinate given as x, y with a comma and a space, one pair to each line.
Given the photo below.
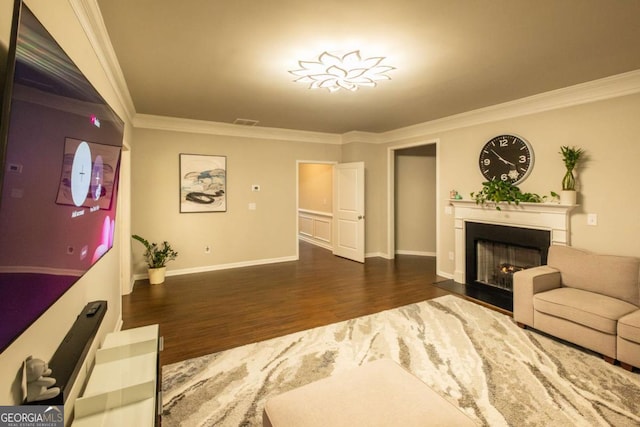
360, 216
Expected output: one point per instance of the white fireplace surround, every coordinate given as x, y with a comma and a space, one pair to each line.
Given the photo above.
552, 217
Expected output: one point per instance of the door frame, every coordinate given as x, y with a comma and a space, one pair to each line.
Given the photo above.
391, 199
298, 162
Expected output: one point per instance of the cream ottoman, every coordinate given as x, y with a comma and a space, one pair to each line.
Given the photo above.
628, 340
380, 393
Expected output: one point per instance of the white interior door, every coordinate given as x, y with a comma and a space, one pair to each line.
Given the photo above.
348, 210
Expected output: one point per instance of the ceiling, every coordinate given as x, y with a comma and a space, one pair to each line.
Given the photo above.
220, 60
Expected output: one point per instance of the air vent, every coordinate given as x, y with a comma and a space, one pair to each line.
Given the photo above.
245, 122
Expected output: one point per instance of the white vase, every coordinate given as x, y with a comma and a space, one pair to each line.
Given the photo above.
156, 275
568, 197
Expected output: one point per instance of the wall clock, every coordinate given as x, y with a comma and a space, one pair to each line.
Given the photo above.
506, 157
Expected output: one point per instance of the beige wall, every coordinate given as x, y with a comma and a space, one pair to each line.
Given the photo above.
609, 132
102, 282
415, 201
239, 235
315, 189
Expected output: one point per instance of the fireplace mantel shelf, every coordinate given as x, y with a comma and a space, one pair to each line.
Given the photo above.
553, 217
522, 206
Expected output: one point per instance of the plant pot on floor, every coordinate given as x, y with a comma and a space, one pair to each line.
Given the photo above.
156, 275
568, 197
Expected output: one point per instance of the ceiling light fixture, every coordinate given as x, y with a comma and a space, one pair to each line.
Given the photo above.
347, 72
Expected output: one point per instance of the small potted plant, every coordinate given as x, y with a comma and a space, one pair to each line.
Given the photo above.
570, 156
156, 257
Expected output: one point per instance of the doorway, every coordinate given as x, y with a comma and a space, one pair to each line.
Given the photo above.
331, 207
315, 203
413, 227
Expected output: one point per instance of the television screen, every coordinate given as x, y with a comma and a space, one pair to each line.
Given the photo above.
61, 147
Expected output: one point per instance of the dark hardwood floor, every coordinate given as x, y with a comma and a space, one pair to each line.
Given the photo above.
204, 313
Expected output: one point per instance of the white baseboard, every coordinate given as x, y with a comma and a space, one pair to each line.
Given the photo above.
207, 268
325, 245
445, 275
130, 286
417, 253
329, 247
377, 254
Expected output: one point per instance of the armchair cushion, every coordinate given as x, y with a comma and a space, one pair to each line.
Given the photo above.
629, 327
628, 343
586, 308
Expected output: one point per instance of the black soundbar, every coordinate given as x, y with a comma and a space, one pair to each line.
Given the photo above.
72, 351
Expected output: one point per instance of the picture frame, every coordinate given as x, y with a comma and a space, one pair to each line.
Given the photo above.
203, 183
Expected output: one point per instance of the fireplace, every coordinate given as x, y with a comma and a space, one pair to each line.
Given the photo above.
495, 252
548, 222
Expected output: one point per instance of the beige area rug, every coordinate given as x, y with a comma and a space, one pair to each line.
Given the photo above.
496, 372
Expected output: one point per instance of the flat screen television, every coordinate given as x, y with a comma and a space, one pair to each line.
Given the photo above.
60, 148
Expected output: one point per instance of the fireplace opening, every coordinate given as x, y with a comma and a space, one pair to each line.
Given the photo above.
497, 262
494, 253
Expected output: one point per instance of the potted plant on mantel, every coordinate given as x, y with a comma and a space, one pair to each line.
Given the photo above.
570, 156
497, 191
156, 257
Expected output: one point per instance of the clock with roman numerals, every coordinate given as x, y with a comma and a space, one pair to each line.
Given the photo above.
506, 157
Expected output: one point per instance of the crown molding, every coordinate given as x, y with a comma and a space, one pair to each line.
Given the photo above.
147, 121
596, 90
359, 136
90, 18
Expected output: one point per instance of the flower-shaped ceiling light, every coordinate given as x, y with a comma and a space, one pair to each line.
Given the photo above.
347, 72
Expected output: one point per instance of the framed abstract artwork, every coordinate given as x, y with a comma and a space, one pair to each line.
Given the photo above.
203, 183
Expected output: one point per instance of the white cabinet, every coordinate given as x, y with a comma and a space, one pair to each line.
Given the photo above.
123, 388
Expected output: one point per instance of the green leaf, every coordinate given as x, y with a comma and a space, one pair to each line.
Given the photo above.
156, 256
497, 191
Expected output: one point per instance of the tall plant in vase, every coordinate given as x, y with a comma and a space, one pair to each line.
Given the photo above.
570, 156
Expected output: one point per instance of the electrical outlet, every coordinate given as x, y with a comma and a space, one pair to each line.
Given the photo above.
14, 167
207, 249
451, 256
592, 219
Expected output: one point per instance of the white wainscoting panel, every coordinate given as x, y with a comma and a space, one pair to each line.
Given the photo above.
315, 227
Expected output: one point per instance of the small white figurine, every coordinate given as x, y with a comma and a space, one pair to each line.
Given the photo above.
38, 381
